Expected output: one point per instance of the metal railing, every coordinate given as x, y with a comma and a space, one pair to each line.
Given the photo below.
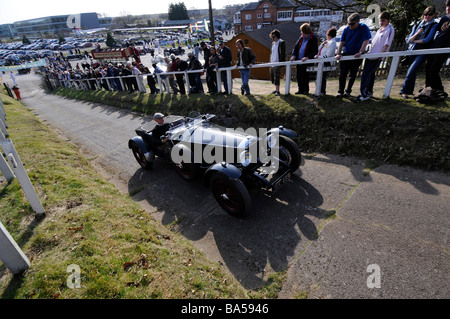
319, 63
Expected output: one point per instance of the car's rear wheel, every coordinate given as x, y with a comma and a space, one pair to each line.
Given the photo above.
289, 152
232, 195
140, 157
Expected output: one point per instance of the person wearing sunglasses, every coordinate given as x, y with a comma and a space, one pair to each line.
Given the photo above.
354, 40
435, 61
420, 38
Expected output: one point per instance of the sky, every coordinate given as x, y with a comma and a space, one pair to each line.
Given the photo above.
17, 10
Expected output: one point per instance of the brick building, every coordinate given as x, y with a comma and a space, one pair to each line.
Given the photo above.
264, 13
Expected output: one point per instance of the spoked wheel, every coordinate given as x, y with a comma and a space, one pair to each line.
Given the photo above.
140, 158
232, 195
188, 171
290, 153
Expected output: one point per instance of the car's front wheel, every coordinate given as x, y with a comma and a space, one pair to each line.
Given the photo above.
290, 153
140, 157
232, 195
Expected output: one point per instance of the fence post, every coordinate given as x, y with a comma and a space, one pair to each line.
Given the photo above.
5, 169
188, 84
22, 176
140, 82
3, 127
319, 77
219, 81
288, 79
230, 81
107, 83
11, 254
391, 76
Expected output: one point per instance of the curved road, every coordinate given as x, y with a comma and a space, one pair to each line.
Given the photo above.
388, 239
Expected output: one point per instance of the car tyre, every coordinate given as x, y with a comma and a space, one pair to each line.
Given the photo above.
290, 153
232, 195
140, 157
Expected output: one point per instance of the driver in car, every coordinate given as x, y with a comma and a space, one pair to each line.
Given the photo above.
159, 132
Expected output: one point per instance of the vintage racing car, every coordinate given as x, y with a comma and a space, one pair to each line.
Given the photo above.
230, 161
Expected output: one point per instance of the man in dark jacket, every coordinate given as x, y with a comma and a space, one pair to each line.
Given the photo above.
206, 54
225, 58
195, 78
181, 66
246, 58
305, 48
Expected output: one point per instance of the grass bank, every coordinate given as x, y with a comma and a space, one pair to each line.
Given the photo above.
121, 250
394, 131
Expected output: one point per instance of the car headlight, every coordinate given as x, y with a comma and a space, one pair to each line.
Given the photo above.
245, 158
272, 141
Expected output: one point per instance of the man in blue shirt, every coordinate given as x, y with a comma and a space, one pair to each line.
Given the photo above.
354, 40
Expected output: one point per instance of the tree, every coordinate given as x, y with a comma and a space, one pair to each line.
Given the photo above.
61, 39
178, 11
110, 40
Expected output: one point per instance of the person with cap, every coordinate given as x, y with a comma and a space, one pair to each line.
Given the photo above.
159, 130
225, 57
354, 40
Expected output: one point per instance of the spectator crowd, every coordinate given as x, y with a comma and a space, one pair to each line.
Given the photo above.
428, 33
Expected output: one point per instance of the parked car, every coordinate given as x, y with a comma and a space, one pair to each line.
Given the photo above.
74, 57
86, 45
233, 168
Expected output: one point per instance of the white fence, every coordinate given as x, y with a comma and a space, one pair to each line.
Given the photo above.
319, 63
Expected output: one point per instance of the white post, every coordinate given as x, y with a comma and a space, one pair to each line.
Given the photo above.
230, 81
22, 176
140, 82
188, 84
121, 84
6, 170
391, 76
219, 81
3, 127
11, 254
107, 83
288, 79
319, 77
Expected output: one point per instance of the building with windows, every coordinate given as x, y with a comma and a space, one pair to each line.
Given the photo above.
256, 15
7, 31
47, 26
